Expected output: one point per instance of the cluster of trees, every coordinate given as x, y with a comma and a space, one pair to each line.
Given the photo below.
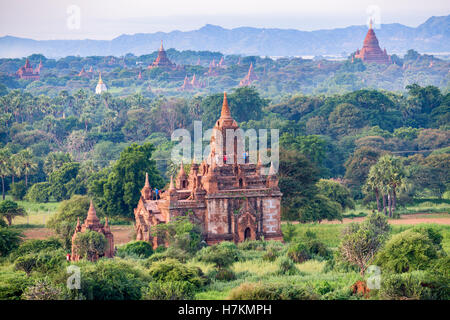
275, 77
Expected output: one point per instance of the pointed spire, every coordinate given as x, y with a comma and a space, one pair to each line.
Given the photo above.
370, 23
100, 81
225, 108
78, 223
147, 184
91, 218
181, 170
171, 186
161, 48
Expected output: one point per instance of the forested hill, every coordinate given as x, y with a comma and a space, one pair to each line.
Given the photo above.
431, 36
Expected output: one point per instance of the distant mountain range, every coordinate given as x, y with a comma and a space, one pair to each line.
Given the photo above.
433, 36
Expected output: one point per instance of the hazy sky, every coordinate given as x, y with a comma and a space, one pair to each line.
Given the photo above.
106, 19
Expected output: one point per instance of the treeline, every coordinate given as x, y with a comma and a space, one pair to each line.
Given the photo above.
73, 142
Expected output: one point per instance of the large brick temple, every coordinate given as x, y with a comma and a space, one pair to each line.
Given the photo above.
371, 51
231, 200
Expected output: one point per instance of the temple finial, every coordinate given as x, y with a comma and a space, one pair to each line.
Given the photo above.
161, 48
147, 184
225, 108
100, 81
370, 23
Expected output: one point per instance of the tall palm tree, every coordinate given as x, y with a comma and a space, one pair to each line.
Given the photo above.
27, 163
5, 167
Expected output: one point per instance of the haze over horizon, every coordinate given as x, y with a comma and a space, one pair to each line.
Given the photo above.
108, 19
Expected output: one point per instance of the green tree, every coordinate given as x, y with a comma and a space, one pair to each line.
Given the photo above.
121, 191
336, 192
5, 167
90, 245
10, 209
360, 242
27, 164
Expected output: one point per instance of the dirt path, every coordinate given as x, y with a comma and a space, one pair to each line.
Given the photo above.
122, 234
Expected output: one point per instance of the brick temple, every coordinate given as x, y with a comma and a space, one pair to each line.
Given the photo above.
162, 61
249, 78
371, 51
93, 223
231, 200
28, 73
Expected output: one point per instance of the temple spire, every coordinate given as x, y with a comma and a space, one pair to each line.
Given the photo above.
147, 184
225, 108
161, 48
181, 173
171, 186
370, 23
100, 81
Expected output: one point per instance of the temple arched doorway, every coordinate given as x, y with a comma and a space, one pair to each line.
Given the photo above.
247, 234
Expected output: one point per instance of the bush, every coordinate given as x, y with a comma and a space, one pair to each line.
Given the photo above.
13, 284
298, 252
171, 290
171, 252
38, 192
407, 251
270, 255
42, 290
252, 245
9, 240
90, 245
272, 291
317, 248
287, 267
141, 249
221, 255
225, 274
26, 263
171, 270
414, 285
289, 232
108, 279
18, 190
35, 246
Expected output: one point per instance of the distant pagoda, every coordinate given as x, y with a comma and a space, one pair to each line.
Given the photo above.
101, 87
162, 61
371, 51
249, 78
26, 72
92, 223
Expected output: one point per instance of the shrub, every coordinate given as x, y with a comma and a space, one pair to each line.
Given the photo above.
108, 279
142, 249
18, 190
13, 284
317, 248
414, 285
221, 255
270, 255
171, 290
171, 252
289, 232
90, 245
38, 192
35, 246
287, 267
174, 270
42, 290
298, 252
252, 245
407, 251
26, 263
361, 241
272, 291
9, 240
225, 274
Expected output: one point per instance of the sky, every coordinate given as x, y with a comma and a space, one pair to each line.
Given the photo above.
107, 19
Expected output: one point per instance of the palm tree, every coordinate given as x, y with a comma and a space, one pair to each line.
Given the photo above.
5, 167
27, 164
